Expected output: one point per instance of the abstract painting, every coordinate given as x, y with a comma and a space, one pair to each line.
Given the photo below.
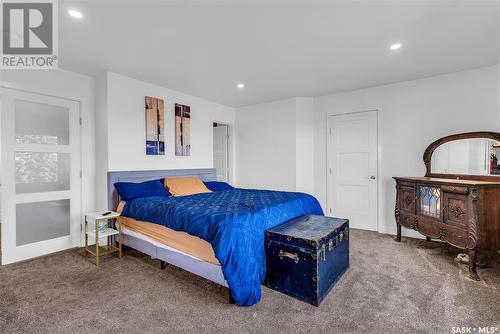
182, 130
155, 126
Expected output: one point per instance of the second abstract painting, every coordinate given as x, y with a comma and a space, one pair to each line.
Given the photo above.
182, 130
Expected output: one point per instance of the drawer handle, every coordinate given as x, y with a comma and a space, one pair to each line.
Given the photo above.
294, 257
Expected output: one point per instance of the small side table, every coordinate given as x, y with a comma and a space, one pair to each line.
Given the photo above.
98, 251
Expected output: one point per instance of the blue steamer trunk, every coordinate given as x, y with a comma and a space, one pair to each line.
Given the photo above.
306, 256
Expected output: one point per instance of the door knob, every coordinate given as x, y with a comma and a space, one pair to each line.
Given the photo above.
372, 177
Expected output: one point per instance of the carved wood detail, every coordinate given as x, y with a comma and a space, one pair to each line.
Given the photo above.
396, 214
442, 231
408, 199
457, 211
396, 207
473, 224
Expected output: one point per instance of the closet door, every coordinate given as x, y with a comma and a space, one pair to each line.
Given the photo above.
352, 168
40, 165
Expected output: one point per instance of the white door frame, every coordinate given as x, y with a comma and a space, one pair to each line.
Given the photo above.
229, 146
377, 110
46, 246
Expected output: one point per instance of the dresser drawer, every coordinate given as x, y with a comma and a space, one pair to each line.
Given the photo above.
429, 227
455, 189
456, 210
454, 236
407, 199
403, 183
407, 220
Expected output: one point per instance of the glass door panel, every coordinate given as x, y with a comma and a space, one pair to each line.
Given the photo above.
52, 221
42, 171
40, 175
38, 123
430, 201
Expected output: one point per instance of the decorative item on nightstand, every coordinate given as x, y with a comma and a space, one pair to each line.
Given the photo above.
101, 229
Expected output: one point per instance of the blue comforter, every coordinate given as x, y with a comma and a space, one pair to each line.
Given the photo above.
233, 222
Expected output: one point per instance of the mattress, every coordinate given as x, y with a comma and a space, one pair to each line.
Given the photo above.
168, 238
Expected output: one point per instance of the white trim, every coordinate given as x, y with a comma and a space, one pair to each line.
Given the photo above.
43, 196
43, 148
43, 248
20, 88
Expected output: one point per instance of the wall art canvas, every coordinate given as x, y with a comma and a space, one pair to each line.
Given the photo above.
182, 130
155, 126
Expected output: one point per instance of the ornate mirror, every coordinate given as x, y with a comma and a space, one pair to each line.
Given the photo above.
473, 156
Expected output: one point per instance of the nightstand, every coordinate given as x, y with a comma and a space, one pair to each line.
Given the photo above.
101, 229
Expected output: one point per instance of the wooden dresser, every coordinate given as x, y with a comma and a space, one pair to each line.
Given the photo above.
462, 210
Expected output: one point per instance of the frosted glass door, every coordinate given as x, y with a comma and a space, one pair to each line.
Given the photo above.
40, 175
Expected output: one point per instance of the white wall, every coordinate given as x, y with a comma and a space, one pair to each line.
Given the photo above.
265, 146
101, 137
412, 114
304, 158
122, 100
72, 86
274, 145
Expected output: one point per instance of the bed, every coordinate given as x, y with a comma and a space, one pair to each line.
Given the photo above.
231, 221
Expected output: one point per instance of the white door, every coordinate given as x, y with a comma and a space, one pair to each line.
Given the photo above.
40, 165
352, 168
221, 135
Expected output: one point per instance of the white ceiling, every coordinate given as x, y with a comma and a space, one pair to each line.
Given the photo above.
278, 49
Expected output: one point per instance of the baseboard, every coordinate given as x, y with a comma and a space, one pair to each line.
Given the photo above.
404, 232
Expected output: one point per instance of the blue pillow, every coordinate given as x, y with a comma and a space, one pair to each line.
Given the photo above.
130, 190
217, 186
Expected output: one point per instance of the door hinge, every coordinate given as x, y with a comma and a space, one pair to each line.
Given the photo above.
330, 210
330, 131
80, 174
330, 170
80, 120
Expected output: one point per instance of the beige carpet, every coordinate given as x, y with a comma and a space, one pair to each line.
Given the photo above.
408, 287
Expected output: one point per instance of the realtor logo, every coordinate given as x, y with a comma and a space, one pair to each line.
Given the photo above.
29, 34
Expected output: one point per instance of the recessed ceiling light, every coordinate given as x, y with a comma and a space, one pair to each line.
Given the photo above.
395, 46
75, 13
240, 85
